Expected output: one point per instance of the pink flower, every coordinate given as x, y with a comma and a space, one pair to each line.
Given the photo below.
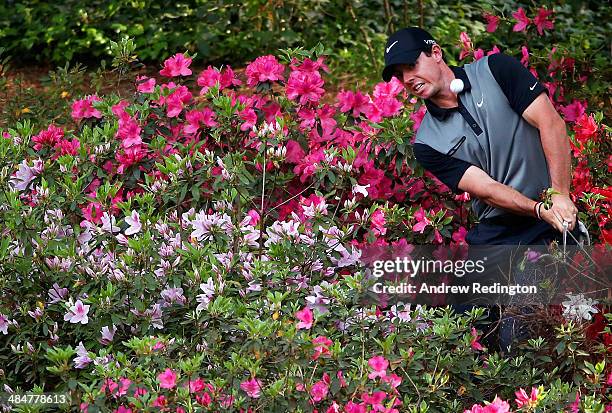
522, 400
496, 406
129, 132
83, 108
264, 68
306, 85
48, 137
176, 100
321, 348
319, 391
306, 318
378, 222
541, 20
393, 380
197, 118
308, 65
379, 364
129, 157
492, 22
474, 342
478, 54
145, 84
422, 221
108, 334
177, 65
77, 313
93, 212
495, 50
525, 58
352, 407
388, 89
208, 78
417, 117
388, 106
466, 45
356, 102
522, 20
573, 111
167, 379
249, 117
251, 387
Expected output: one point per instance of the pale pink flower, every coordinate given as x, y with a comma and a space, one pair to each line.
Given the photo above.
109, 224
108, 333
522, 20
167, 379
177, 65
25, 175
466, 45
264, 68
82, 359
251, 387
306, 318
379, 366
77, 313
134, 223
4, 323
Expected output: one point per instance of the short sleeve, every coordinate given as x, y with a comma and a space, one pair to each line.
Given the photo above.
518, 84
447, 169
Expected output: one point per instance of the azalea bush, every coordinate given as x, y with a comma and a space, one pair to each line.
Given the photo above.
197, 246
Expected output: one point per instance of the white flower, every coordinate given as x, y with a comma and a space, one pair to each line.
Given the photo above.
109, 224
361, 189
206, 298
578, 307
134, 222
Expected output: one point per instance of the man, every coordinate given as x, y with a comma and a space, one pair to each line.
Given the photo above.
498, 138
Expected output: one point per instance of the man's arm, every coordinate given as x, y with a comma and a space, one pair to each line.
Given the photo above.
479, 184
542, 115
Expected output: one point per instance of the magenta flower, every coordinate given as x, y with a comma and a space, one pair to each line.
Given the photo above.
208, 78
306, 318
321, 347
167, 379
523, 400
251, 387
378, 222
525, 56
574, 110
541, 20
134, 224
83, 108
199, 118
492, 22
474, 342
495, 50
522, 20
388, 89
379, 366
48, 137
145, 84
319, 390
77, 313
264, 68
305, 85
177, 65
176, 101
422, 221
356, 102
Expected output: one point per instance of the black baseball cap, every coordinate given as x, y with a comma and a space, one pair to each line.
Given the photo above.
405, 47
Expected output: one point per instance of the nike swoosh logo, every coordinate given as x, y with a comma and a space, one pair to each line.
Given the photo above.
533, 87
392, 44
479, 104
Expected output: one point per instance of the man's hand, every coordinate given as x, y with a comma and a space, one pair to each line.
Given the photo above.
563, 209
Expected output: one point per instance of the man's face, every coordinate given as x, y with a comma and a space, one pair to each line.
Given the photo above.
424, 78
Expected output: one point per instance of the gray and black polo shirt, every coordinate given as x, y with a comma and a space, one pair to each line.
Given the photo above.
487, 130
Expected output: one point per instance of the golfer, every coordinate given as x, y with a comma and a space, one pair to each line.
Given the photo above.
490, 130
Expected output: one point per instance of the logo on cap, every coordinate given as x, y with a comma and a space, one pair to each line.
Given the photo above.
392, 44
429, 41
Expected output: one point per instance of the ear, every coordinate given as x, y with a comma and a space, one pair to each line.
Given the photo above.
436, 53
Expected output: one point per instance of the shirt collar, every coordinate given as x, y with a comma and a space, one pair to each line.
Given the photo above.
442, 113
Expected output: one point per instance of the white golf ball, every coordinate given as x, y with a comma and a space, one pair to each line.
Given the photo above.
456, 85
